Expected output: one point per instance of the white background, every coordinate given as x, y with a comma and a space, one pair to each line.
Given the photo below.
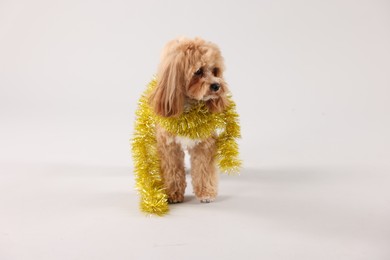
312, 84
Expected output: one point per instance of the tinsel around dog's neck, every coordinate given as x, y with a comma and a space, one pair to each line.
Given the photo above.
197, 122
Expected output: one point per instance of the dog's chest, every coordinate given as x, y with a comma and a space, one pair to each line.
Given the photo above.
185, 142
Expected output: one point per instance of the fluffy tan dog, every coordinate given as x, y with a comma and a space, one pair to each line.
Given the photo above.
191, 70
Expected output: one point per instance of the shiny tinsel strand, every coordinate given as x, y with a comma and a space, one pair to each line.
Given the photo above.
197, 123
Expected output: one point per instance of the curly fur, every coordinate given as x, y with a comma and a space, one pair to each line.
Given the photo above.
188, 70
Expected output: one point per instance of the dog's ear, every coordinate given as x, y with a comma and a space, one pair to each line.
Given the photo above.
218, 105
167, 99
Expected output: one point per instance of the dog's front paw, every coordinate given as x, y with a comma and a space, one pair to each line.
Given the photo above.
206, 200
175, 198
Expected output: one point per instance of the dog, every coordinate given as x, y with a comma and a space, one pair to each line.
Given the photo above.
189, 93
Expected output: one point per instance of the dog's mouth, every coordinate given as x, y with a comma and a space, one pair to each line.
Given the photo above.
202, 98
209, 97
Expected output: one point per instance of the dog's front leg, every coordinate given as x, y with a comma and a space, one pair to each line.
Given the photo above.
203, 170
172, 166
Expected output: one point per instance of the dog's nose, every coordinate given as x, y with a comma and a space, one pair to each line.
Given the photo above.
214, 87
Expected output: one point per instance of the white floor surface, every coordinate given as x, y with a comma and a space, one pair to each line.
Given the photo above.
54, 211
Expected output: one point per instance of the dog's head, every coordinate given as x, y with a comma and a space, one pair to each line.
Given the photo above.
191, 70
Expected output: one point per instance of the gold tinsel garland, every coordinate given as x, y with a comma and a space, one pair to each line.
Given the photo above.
196, 123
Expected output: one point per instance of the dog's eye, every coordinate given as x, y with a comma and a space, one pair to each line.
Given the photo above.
216, 72
199, 72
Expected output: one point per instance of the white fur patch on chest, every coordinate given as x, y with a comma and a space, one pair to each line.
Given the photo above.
185, 142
